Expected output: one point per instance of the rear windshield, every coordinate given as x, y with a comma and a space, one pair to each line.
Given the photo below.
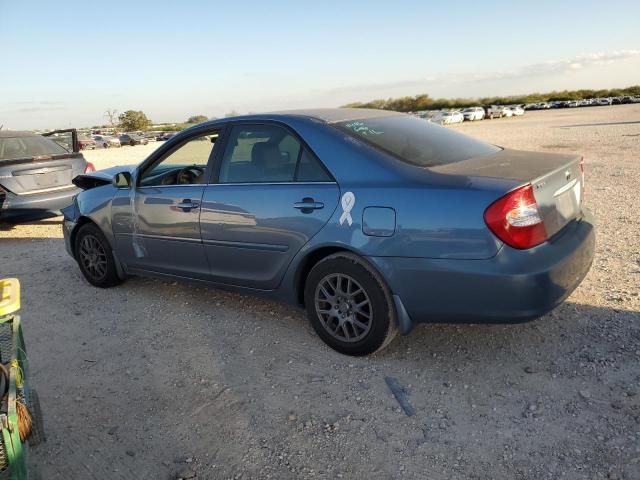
416, 141
20, 147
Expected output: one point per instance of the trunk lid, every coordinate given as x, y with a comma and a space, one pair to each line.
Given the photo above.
24, 176
556, 180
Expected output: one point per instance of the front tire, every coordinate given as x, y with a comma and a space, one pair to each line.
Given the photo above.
349, 305
95, 257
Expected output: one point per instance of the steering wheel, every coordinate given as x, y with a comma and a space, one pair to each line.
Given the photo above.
189, 175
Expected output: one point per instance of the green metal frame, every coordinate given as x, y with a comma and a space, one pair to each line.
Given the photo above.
16, 451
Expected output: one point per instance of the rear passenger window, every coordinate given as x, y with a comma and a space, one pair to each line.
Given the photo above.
310, 170
268, 154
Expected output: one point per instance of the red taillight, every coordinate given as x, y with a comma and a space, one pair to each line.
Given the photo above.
89, 168
515, 219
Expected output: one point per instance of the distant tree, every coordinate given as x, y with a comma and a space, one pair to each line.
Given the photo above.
132, 120
232, 113
112, 117
197, 119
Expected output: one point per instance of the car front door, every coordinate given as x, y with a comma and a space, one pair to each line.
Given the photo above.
157, 223
271, 196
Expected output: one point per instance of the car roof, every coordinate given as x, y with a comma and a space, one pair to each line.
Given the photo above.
334, 115
16, 133
326, 115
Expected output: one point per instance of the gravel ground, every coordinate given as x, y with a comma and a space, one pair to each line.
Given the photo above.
155, 379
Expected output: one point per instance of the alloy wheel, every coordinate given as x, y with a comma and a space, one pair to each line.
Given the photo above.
343, 307
93, 257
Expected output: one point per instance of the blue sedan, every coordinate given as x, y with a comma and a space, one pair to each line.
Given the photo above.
373, 221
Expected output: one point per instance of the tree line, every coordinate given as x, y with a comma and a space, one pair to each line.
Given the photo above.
425, 102
136, 120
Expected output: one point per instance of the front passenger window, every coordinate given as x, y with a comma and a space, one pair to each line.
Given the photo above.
184, 166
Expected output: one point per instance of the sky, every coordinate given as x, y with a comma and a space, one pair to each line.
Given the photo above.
64, 63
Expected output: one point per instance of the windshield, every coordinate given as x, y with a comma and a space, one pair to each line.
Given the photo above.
27, 146
415, 141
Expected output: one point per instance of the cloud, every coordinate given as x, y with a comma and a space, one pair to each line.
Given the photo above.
34, 106
439, 81
551, 67
36, 102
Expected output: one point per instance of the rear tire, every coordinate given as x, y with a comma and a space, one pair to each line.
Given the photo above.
349, 305
95, 257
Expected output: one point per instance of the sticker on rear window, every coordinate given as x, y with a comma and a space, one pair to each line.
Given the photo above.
362, 129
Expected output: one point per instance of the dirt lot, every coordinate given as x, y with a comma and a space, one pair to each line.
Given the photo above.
156, 380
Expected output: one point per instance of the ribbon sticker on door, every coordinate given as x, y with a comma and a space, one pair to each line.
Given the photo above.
348, 201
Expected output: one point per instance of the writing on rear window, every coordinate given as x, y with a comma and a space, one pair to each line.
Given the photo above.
362, 129
415, 141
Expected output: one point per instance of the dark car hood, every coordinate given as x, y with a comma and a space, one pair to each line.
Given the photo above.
87, 181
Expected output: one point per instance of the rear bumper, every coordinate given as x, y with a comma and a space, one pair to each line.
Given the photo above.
512, 287
24, 205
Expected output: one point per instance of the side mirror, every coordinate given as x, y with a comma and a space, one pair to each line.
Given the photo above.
122, 180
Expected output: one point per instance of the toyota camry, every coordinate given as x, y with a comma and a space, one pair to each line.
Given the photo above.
374, 221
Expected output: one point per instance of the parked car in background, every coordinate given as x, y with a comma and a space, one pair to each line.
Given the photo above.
473, 113
105, 141
165, 136
603, 101
132, 139
493, 111
516, 110
447, 118
36, 171
507, 112
86, 143
373, 220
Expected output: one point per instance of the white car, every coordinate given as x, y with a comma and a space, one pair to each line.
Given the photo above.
473, 113
516, 110
447, 118
507, 112
104, 141
603, 101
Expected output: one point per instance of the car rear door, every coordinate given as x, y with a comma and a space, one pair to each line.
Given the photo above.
271, 195
157, 223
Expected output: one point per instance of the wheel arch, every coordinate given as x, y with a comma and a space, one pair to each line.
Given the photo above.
83, 220
314, 256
